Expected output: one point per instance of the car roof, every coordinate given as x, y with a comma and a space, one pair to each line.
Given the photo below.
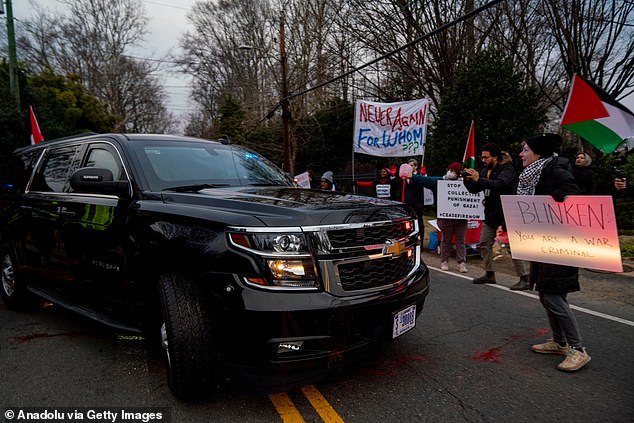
123, 138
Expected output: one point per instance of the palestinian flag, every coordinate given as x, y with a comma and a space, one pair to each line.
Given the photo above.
596, 117
468, 161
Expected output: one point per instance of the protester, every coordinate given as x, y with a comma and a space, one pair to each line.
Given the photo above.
448, 227
411, 194
380, 186
545, 173
522, 265
327, 181
497, 178
583, 174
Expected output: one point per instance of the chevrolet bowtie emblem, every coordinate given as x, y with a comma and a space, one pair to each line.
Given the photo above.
394, 248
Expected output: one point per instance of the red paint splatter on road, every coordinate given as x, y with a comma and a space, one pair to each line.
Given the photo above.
542, 332
27, 338
491, 356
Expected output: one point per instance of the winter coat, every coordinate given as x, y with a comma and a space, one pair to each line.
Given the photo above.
556, 180
501, 181
414, 193
584, 178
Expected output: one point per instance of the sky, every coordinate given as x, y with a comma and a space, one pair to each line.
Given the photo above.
166, 23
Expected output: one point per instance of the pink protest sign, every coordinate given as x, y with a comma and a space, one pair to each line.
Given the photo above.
579, 232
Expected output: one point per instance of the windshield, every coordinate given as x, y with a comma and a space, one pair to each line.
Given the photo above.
192, 165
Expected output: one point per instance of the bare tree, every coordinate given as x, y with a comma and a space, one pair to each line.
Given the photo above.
551, 40
91, 39
595, 38
426, 68
230, 52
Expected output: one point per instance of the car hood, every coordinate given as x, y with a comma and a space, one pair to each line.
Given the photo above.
285, 206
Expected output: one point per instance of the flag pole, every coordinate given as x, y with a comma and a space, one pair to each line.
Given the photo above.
468, 160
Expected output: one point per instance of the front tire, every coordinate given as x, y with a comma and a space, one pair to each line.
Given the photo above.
186, 337
12, 290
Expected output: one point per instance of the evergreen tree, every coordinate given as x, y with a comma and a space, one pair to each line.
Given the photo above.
230, 120
489, 90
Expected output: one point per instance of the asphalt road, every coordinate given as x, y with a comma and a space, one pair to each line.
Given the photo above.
467, 360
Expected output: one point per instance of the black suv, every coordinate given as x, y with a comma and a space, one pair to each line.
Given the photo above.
209, 249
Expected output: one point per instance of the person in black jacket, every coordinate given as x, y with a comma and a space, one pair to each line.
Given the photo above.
584, 176
496, 179
411, 194
546, 173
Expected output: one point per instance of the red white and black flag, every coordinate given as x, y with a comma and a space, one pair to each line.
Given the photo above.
36, 135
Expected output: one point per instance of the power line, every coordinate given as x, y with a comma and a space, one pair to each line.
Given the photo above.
403, 47
385, 56
166, 5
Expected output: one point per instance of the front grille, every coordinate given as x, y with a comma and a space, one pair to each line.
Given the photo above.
368, 236
370, 274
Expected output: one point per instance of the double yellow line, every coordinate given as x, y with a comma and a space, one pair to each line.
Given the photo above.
290, 414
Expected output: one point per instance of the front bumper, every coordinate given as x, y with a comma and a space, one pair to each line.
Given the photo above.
289, 335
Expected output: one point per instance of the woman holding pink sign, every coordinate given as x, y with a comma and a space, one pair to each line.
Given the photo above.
545, 173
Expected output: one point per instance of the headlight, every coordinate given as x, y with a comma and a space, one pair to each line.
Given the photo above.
269, 243
285, 243
284, 257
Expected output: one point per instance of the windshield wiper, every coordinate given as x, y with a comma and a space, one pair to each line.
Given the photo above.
194, 187
266, 184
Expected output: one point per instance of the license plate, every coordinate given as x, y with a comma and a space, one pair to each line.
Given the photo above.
404, 320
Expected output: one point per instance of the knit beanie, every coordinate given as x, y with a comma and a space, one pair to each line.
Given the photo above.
455, 166
545, 145
328, 176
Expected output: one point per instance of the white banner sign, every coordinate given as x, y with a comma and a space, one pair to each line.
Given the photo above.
579, 232
390, 129
428, 197
302, 180
455, 202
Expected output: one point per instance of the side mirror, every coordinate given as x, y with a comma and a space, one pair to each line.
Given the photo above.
95, 180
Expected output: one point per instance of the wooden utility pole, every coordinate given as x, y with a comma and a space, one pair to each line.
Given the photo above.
286, 112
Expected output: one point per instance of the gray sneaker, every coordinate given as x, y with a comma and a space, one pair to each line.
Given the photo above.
575, 359
550, 347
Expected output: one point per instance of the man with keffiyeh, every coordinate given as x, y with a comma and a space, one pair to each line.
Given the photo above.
497, 178
545, 173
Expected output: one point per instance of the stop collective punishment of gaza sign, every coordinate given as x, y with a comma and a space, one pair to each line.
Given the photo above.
455, 202
580, 231
390, 129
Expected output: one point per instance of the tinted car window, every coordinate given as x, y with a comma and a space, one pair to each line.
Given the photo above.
52, 175
103, 158
172, 165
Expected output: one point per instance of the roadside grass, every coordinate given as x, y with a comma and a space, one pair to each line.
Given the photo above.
627, 245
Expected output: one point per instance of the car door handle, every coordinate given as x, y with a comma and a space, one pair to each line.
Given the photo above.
65, 212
